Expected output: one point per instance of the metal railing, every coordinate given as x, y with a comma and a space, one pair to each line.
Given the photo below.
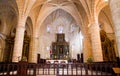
70, 69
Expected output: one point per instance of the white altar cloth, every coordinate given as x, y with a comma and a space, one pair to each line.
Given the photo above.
56, 61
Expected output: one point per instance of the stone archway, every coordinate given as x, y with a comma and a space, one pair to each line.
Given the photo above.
56, 19
107, 34
27, 39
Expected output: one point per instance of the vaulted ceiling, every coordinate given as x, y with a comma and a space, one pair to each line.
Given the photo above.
82, 11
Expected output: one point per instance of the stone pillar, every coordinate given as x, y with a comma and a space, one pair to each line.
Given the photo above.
33, 50
115, 10
1, 51
2, 48
19, 37
87, 50
96, 43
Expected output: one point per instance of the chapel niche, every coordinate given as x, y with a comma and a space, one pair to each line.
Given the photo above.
10, 45
108, 49
60, 48
25, 52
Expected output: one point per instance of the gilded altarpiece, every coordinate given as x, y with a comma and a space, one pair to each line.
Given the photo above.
107, 47
60, 48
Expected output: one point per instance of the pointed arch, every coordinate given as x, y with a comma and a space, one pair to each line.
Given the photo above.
29, 26
75, 16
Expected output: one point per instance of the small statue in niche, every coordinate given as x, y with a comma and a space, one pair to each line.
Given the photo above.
61, 51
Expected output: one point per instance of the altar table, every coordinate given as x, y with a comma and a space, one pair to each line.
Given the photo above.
56, 61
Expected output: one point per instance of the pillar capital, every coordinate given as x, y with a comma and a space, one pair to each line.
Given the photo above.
93, 26
21, 27
35, 37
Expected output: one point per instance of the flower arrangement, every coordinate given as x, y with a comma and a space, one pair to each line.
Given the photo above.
24, 58
90, 60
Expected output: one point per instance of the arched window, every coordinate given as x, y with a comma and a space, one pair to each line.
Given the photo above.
60, 29
48, 28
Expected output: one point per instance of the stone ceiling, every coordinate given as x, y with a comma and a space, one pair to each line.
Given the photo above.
38, 10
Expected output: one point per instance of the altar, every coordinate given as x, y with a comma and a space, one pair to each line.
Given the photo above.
60, 48
56, 61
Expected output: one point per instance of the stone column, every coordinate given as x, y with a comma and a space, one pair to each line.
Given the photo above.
2, 49
96, 43
87, 51
33, 50
19, 37
115, 10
